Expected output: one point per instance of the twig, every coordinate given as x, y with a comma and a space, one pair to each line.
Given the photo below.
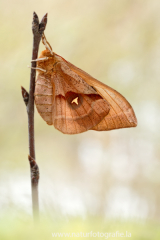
37, 29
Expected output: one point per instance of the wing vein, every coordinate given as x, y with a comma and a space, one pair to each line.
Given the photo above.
110, 116
119, 107
65, 110
73, 120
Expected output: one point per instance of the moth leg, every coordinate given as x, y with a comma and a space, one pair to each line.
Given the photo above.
43, 70
40, 59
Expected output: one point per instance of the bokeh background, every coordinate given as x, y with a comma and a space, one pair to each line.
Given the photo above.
96, 180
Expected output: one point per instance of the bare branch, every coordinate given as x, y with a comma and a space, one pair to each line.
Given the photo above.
37, 29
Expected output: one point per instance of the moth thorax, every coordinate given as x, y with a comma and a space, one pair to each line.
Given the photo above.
46, 65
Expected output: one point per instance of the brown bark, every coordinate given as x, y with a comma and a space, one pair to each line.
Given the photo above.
37, 29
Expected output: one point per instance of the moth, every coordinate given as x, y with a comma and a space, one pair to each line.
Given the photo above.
73, 101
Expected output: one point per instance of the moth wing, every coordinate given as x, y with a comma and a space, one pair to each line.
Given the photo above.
77, 106
44, 95
121, 114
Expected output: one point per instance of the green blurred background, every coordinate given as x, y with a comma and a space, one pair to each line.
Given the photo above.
99, 181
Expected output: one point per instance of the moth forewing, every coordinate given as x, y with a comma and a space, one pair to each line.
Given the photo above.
121, 114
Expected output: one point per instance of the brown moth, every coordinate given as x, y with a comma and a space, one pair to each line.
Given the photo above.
73, 101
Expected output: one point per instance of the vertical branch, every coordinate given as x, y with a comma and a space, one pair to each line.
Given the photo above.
37, 29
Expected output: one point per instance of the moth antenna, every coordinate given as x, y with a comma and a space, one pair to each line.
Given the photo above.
41, 69
40, 59
46, 44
